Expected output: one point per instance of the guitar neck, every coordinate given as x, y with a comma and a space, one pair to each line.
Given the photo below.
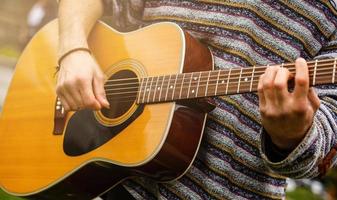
222, 82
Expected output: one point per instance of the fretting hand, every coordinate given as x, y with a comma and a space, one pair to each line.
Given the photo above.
287, 116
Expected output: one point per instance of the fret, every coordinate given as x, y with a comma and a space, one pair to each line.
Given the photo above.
196, 94
174, 87
161, 88
212, 83
229, 76
149, 90
140, 91
209, 73
238, 90
202, 86
155, 89
193, 84
234, 81
258, 71
181, 86
189, 86
168, 87
217, 83
334, 70
251, 80
314, 77
222, 81
145, 90
245, 82
186, 82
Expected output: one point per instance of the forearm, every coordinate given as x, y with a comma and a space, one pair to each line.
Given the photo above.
76, 21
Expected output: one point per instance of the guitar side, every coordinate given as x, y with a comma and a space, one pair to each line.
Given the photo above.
33, 161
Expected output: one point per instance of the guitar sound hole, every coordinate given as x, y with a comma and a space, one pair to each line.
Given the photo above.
121, 90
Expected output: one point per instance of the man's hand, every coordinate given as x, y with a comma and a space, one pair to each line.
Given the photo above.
80, 80
287, 116
81, 83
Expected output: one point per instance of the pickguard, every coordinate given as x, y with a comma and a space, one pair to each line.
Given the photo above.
84, 133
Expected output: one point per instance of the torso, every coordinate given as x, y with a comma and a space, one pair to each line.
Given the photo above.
239, 33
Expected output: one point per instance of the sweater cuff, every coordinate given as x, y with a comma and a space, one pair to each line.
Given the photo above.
276, 158
272, 152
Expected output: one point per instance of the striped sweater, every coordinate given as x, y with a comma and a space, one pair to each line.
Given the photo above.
232, 162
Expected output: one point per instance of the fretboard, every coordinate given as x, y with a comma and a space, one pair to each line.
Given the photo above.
222, 82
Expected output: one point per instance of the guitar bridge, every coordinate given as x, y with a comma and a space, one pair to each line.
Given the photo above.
60, 117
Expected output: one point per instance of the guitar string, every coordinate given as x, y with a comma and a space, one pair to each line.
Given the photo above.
288, 66
215, 73
128, 99
185, 86
222, 78
234, 88
319, 62
133, 97
203, 79
254, 82
232, 76
234, 84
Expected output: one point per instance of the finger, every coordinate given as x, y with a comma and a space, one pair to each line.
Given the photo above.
67, 103
59, 84
262, 99
69, 100
88, 97
74, 93
313, 98
99, 91
64, 103
301, 79
281, 84
268, 84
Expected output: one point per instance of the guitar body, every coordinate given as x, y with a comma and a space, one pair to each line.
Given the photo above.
155, 140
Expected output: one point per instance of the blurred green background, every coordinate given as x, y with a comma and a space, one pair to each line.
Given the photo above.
20, 19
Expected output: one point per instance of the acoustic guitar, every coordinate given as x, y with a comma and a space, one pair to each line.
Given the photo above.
158, 78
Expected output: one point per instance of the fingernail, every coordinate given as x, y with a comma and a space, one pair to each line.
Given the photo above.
106, 103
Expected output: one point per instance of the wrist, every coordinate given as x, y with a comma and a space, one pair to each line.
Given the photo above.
288, 139
286, 144
78, 50
272, 151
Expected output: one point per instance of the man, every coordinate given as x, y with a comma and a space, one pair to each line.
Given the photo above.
251, 144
